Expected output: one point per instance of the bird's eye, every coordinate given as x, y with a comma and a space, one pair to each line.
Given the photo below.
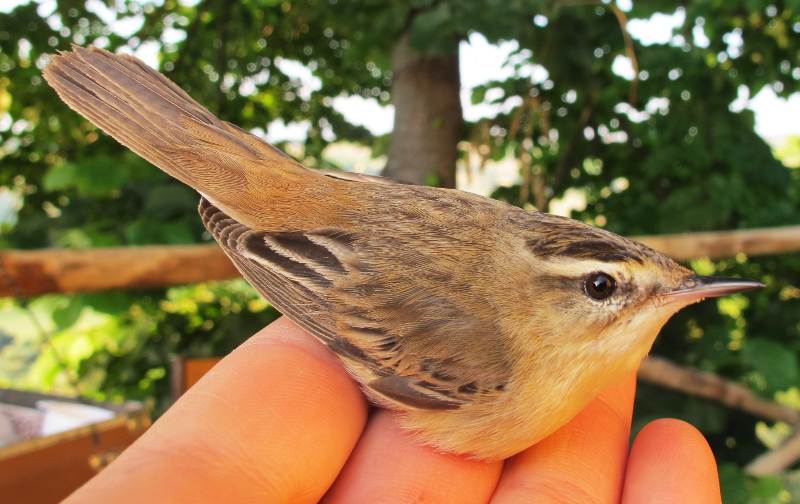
599, 285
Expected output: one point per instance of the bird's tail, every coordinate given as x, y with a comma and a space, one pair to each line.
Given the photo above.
152, 116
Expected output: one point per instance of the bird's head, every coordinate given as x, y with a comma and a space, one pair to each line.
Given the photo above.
605, 292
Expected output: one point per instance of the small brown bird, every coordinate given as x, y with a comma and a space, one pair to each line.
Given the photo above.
487, 326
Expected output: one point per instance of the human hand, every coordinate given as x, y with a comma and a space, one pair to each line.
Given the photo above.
279, 420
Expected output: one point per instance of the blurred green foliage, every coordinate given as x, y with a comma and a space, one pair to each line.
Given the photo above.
118, 346
662, 152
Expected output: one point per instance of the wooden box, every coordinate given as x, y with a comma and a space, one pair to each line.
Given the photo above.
47, 469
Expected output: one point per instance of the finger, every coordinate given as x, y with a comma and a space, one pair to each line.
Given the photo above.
584, 461
274, 421
388, 461
671, 462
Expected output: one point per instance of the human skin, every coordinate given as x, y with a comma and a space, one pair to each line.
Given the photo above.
279, 420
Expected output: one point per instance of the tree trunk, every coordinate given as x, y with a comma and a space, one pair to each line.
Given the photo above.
427, 117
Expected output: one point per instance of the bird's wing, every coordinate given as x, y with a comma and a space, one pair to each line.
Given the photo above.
402, 340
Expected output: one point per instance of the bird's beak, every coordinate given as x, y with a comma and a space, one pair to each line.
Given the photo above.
696, 288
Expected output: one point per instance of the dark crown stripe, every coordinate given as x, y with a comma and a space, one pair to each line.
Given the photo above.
601, 250
584, 248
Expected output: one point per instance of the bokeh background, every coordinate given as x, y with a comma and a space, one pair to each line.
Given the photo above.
640, 117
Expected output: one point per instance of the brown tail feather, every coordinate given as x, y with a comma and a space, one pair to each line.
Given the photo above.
152, 116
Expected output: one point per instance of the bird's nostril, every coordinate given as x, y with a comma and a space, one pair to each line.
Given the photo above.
690, 282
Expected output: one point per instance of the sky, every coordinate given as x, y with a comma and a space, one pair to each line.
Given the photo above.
480, 62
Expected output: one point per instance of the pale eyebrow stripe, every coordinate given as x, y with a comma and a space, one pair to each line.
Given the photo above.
571, 268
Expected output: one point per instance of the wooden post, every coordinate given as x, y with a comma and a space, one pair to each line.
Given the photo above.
28, 273
722, 244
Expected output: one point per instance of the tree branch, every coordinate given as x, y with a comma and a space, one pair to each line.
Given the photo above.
33, 272
722, 244
775, 461
622, 19
662, 372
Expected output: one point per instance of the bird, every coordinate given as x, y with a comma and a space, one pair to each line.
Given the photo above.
485, 326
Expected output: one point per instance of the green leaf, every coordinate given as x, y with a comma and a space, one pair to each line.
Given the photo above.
171, 200
95, 177
734, 484
78, 238
478, 94
108, 302
767, 489
147, 232
432, 30
776, 362
65, 316
59, 177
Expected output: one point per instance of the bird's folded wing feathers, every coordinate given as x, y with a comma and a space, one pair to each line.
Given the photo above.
318, 279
